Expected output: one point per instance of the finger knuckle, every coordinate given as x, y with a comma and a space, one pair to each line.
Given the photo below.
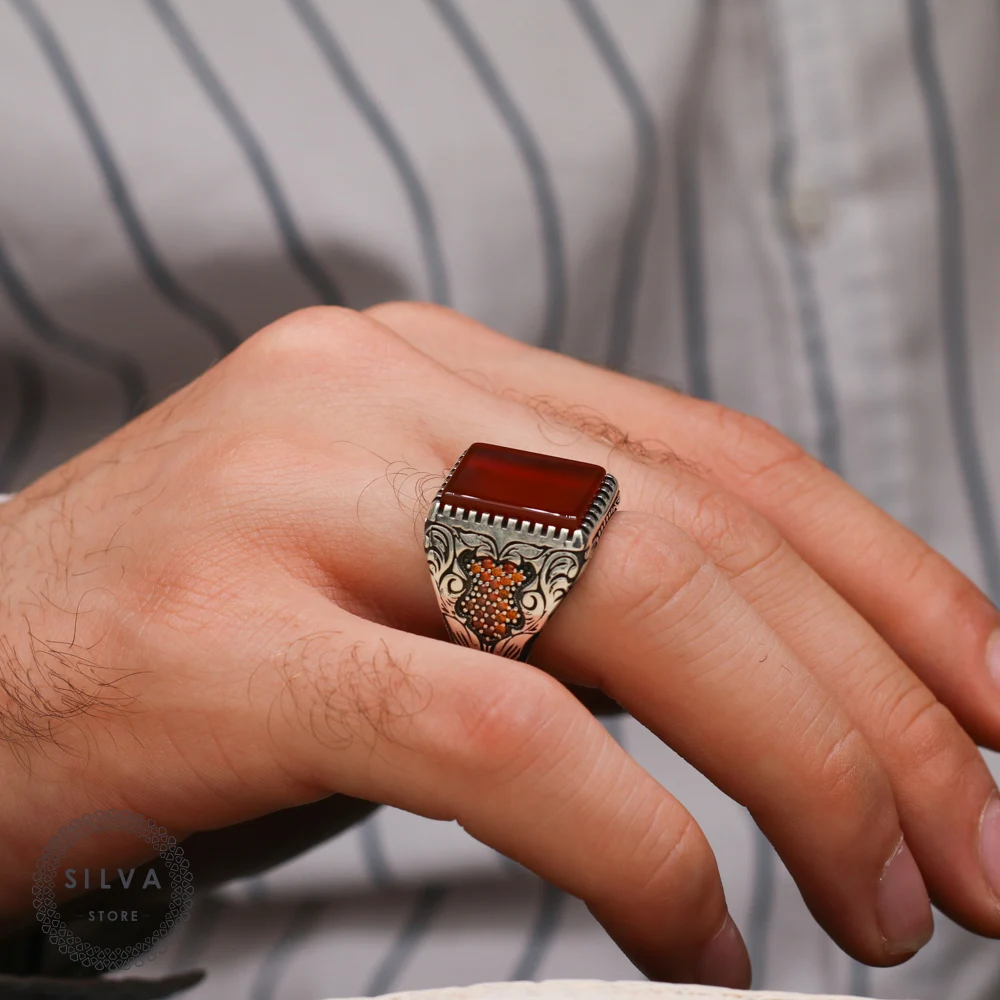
757, 448
246, 466
931, 739
850, 777
316, 338
403, 313
671, 861
921, 569
305, 331
649, 563
917, 564
736, 537
681, 864
508, 726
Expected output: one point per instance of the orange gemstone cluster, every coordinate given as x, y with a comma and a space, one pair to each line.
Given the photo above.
489, 607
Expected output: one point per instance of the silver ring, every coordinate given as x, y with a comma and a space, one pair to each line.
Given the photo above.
507, 536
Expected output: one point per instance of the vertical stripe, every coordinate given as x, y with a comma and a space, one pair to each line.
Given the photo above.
687, 148
336, 59
275, 962
121, 366
31, 402
538, 173
374, 852
813, 330
799, 266
640, 213
193, 946
207, 914
543, 933
425, 907
860, 982
951, 276
761, 906
195, 59
217, 328
256, 888
810, 321
615, 725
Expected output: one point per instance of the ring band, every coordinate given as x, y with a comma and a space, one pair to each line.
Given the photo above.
508, 534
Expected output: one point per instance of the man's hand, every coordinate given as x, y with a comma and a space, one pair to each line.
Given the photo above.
224, 610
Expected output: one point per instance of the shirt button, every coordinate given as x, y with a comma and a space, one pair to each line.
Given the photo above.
809, 208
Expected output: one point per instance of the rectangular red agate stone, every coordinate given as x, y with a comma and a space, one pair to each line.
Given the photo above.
540, 488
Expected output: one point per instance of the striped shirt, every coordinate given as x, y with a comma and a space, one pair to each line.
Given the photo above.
785, 206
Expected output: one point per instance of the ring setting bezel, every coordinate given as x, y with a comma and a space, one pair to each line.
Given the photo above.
556, 555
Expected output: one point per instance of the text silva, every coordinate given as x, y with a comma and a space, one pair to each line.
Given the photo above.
150, 880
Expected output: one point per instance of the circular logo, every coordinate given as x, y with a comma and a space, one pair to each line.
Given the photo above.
121, 912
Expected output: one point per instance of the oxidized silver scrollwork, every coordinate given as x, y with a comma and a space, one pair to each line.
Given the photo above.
499, 579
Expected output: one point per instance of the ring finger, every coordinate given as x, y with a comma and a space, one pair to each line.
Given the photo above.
941, 783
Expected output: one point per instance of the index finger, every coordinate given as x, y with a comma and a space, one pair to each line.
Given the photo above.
458, 734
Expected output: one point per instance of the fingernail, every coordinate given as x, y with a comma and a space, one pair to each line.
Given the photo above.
725, 961
902, 906
989, 843
993, 655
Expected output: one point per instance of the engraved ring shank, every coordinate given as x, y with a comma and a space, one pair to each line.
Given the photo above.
507, 536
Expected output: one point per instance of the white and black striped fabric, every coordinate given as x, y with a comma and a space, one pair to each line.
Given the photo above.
790, 207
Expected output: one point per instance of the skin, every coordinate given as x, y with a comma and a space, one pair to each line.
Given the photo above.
223, 611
